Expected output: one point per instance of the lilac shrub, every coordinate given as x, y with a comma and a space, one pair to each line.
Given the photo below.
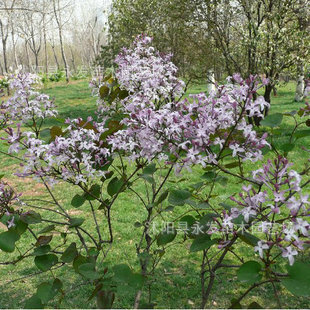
146, 134
75, 157
27, 104
279, 213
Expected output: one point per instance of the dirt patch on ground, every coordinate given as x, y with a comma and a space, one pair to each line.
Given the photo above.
10, 168
75, 212
3, 227
36, 190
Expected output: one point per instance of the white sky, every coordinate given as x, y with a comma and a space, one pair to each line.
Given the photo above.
84, 6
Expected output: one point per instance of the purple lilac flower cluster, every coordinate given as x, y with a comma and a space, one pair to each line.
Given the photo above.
159, 125
281, 210
27, 103
189, 130
148, 76
76, 156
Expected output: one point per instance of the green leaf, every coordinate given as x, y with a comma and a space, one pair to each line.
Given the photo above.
250, 272
7, 240
207, 219
123, 94
114, 186
46, 262
272, 120
235, 304
47, 229
94, 192
136, 280
196, 186
232, 165
20, 227
188, 219
105, 299
202, 242
221, 180
44, 240
203, 205
248, 238
226, 206
179, 197
254, 305
34, 302
148, 178
42, 250
56, 132
45, 135
150, 169
209, 176
287, 147
44, 292
70, 253
104, 91
147, 305
75, 222
31, 217
298, 281
88, 270
122, 272
168, 209
162, 198
78, 261
78, 200
166, 237
47, 291
302, 133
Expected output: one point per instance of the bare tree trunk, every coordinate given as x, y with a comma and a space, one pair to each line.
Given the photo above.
14, 46
5, 60
36, 56
56, 59
28, 56
73, 59
300, 87
45, 46
267, 96
59, 24
4, 37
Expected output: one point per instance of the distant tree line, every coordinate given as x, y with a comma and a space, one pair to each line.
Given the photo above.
266, 37
45, 33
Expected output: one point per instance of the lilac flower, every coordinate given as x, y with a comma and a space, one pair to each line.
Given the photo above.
290, 233
75, 158
303, 226
26, 103
247, 213
10, 223
261, 246
290, 227
147, 74
289, 253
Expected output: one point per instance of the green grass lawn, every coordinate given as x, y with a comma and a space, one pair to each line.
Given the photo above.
177, 281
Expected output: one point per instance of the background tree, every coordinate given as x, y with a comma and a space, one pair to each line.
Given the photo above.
58, 11
257, 37
5, 26
266, 37
172, 24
